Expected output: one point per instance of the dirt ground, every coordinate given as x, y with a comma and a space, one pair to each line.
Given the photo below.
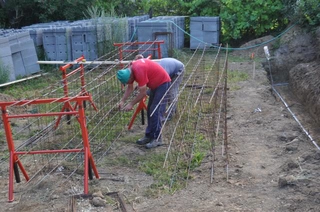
273, 165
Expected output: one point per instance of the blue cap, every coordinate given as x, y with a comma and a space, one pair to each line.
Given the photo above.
124, 75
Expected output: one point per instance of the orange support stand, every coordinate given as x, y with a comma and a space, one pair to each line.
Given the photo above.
141, 106
15, 163
156, 43
67, 106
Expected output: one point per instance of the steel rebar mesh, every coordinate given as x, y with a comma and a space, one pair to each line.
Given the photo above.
190, 134
195, 132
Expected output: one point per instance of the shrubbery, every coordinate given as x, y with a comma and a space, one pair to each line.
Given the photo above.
242, 20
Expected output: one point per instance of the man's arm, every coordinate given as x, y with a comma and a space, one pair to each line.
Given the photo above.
142, 93
126, 94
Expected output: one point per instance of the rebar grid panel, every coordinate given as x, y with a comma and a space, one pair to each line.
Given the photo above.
150, 48
198, 129
43, 133
188, 136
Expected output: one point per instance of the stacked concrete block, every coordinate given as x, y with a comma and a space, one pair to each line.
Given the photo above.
153, 29
178, 28
36, 30
84, 42
66, 41
204, 31
57, 43
85, 37
17, 54
6, 61
132, 26
163, 28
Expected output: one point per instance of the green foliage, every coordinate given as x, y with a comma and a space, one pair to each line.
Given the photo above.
201, 7
118, 7
197, 159
143, 6
93, 12
304, 12
19, 13
160, 7
2, 18
62, 10
181, 7
4, 73
242, 19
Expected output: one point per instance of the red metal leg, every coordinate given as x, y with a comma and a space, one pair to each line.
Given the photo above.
141, 106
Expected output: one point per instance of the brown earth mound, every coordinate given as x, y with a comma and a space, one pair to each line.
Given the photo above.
297, 61
305, 82
302, 48
247, 49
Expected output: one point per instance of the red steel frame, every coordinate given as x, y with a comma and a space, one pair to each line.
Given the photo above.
142, 104
67, 106
14, 159
121, 45
78, 110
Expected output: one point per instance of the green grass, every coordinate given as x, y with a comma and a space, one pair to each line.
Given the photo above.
122, 160
234, 77
4, 73
29, 88
152, 164
237, 76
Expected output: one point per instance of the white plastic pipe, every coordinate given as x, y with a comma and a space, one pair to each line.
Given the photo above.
95, 62
21, 80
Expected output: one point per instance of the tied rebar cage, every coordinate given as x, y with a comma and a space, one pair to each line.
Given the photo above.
197, 131
191, 138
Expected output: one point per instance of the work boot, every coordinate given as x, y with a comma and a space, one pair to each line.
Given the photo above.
144, 140
154, 143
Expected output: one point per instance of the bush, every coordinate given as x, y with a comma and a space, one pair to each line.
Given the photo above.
303, 12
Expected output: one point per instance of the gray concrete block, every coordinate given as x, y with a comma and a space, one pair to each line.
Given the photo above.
7, 63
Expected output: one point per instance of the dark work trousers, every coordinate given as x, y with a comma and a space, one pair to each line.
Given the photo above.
176, 80
156, 106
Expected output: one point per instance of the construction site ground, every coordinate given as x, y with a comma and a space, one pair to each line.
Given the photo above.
273, 165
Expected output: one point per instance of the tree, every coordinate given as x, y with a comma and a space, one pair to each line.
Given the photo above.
304, 12
200, 7
20, 13
242, 20
246, 19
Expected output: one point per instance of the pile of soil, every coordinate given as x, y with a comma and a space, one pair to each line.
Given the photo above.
297, 62
295, 59
254, 49
305, 83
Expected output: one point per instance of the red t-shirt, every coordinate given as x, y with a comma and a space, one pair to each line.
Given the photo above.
150, 73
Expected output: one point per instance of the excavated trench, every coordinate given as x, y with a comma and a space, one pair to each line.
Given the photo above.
294, 70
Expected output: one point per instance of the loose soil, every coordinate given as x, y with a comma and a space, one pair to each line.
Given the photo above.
273, 165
